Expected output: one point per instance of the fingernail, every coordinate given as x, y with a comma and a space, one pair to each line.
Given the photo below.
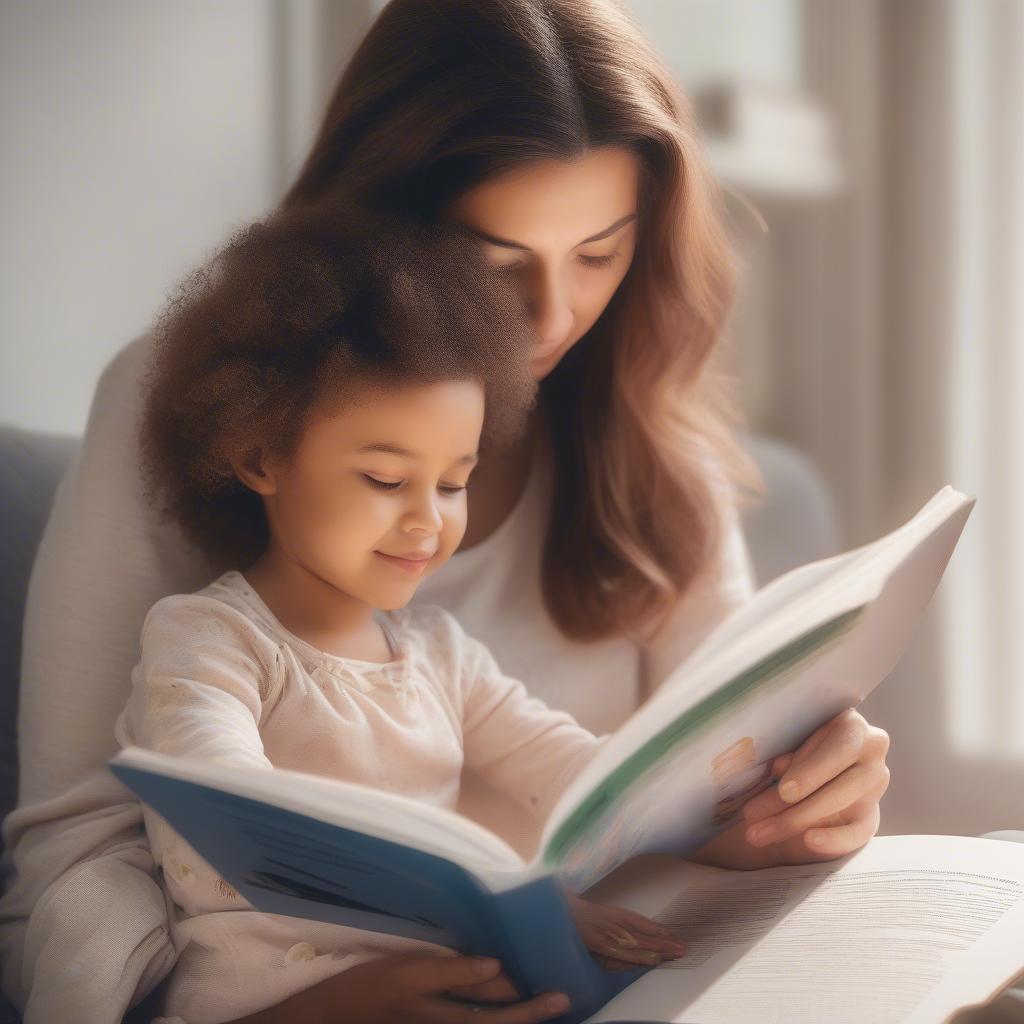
665, 933
483, 965
556, 1004
815, 839
789, 791
758, 834
623, 938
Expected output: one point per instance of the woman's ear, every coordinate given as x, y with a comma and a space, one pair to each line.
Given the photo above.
255, 470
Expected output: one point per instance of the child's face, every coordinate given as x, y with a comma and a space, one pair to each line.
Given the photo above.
373, 498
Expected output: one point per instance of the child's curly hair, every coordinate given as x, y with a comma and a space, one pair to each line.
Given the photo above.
306, 307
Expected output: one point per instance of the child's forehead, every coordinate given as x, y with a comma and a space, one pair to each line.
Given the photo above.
406, 421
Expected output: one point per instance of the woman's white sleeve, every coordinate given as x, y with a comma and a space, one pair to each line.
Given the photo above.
726, 585
83, 923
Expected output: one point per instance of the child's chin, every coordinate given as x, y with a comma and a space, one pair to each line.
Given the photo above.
394, 598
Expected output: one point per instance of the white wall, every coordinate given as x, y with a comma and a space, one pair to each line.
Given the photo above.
136, 135
711, 40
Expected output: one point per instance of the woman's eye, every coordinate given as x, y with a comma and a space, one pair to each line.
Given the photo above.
598, 261
382, 485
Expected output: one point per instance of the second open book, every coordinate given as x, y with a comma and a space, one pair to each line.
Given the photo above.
812, 643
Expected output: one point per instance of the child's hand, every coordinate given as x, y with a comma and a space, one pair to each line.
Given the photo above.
414, 988
621, 938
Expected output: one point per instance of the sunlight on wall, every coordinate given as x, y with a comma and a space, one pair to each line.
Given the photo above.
984, 601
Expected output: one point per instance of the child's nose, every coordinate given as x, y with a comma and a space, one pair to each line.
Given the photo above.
423, 517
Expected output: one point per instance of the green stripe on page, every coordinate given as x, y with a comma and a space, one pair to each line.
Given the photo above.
589, 812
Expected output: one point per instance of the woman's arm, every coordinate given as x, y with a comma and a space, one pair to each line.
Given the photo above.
75, 840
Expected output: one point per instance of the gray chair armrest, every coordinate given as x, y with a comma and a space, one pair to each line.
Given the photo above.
31, 465
797, 522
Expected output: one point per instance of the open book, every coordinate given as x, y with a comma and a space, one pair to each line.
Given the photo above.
812, 643
909, 929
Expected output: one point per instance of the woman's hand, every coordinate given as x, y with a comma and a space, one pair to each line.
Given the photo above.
620, 938
414, 988
824, 806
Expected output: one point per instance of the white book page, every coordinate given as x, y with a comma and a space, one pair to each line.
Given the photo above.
906, 931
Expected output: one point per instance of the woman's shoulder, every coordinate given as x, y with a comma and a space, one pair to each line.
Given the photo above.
127, 367
117, 399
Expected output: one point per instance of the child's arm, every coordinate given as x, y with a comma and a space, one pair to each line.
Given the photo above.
516, 742
200, 687
197, 692
532, 752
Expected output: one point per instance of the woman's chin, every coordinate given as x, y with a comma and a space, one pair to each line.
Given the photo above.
545, 359
540, 367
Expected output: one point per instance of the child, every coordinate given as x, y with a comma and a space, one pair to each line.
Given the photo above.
317, 403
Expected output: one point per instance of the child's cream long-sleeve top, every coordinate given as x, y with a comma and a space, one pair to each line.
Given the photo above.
221, 679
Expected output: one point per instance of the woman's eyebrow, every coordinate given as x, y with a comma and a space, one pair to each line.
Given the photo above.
506, 243
394, 449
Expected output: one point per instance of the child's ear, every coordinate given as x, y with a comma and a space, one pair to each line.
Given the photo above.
255, 470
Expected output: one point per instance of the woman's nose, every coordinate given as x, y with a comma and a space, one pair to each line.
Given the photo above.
550, 307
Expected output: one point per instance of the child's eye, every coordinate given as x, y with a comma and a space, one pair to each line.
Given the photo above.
598, 261
450, 489
383, 485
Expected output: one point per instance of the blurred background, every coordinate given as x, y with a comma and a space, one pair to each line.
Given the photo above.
873, 154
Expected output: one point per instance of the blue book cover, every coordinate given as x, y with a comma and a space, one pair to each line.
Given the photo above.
284, 862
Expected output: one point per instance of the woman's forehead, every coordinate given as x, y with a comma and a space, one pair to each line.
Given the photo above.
554, 204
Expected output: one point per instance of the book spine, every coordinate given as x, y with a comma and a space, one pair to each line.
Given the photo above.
545, 952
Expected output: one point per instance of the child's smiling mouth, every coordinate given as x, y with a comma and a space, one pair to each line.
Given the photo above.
413, 563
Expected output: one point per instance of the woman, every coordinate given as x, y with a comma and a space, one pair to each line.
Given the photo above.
600, 551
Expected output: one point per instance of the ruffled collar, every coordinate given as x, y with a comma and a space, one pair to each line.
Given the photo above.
323, 666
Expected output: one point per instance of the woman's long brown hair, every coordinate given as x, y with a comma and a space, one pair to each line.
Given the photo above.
443, 94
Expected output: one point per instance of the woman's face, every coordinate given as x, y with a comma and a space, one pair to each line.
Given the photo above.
567, 231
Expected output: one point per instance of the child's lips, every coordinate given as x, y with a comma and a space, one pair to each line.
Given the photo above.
412, 564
